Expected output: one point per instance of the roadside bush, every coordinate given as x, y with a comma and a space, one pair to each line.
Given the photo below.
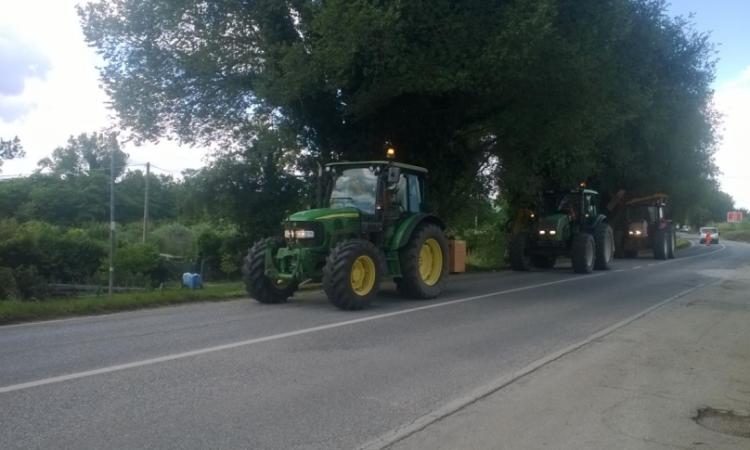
174, 239
220, 251
139, 265
53, 254
8, 289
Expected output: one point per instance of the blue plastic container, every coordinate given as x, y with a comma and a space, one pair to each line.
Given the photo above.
192, 280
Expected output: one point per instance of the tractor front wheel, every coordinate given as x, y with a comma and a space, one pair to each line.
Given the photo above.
352, 273
257, 284
583, 253
661, 244
424, 263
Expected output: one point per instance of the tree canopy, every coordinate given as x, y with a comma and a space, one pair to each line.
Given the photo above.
10, 149
549, 91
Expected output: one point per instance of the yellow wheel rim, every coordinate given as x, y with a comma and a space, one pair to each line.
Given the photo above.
363, 275
430, 262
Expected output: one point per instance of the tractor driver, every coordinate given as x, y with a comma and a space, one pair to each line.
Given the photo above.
566, 206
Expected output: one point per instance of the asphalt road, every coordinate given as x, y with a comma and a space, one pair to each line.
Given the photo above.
305, 375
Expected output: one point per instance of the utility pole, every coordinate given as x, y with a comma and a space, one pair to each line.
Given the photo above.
145, 202
111, 220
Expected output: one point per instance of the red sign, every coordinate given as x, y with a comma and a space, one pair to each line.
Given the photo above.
734, 216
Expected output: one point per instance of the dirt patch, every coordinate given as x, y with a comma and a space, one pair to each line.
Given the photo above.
724, 421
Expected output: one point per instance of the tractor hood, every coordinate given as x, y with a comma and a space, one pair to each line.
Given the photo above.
556, 222
324, 214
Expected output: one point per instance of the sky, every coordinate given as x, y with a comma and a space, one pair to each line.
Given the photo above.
49, 87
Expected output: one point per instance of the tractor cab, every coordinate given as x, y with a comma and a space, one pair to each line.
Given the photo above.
578, 205
375, 187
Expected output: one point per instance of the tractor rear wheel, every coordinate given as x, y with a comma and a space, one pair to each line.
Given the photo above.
583, 253
605, 246
257, 284
661, 244
424, 263
352, 273
544, 261
518, 250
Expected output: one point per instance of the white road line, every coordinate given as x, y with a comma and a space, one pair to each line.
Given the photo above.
637, 267
274, 337
456, 405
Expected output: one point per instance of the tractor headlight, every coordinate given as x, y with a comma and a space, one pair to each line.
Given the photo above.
289, 234
638, 232
552, 232
542, 232
304, 234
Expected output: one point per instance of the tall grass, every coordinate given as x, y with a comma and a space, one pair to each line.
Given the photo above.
20, 311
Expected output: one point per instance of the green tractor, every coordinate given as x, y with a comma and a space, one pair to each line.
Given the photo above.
374, 225
566, 224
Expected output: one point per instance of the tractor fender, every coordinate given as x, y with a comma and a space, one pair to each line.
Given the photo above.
404, 230
599, 219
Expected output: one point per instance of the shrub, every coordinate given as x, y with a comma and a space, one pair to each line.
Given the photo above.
174, 239
139, 265
8, 289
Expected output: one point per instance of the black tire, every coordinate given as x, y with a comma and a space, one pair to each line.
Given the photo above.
518, 250
257, 284
661, 244
672, 243
411, 284
544, 261
605, 246
337, 274
631, 254
583, 253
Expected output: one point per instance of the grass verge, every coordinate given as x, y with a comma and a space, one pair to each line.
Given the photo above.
12, 311
682, 243
736, 235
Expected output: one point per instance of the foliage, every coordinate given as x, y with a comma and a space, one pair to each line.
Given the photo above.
86, 154
174, 239
10, 149
555, 90
139, 265
39, 253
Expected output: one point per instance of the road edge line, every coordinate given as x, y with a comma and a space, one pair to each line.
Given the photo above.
394, 436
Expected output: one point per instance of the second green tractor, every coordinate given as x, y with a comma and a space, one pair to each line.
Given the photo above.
374, 224
567, 223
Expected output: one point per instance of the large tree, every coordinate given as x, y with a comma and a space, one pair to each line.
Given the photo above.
554, 90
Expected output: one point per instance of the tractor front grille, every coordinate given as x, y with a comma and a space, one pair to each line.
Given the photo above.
317, 227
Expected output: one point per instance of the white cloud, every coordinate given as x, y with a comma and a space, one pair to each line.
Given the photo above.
68, 99
733, 157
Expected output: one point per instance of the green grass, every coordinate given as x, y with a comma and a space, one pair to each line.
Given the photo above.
735, 231
20, 311
682, 243
738, 235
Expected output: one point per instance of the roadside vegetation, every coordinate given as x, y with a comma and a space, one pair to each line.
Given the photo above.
498, 99
735, 231
19, 311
